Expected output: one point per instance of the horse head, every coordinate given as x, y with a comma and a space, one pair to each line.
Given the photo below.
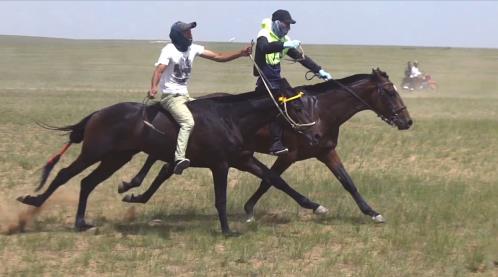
299, 110
387, 102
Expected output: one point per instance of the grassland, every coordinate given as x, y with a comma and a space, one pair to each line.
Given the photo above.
436, 184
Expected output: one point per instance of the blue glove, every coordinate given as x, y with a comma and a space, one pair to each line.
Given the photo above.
292, 44
324, 74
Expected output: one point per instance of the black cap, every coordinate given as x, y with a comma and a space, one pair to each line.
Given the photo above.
283, 16
182, 26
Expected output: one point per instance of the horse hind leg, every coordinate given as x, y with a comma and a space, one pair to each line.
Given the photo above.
138, 179
62, 177
106, 168
165, 172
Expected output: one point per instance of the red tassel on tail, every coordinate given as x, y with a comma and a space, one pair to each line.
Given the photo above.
50, 165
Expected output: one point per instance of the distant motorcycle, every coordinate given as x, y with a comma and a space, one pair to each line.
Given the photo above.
424, 82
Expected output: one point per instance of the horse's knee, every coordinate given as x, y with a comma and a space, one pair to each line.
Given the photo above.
221, 205
275, 181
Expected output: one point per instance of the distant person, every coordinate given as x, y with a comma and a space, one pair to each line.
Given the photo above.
416, 77
408, 72
415, 72
271, 46
171, 76
408, 69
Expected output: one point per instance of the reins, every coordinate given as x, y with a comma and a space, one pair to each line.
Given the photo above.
350, 91
144, 116
283, 100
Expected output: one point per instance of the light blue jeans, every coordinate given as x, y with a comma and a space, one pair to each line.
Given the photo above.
176, 106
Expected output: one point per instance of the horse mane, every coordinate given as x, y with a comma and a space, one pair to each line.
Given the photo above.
330, 84
232, 98
315, 89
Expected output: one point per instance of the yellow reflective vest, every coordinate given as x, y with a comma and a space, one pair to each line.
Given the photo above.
266, 31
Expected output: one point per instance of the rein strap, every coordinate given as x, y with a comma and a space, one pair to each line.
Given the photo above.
283, 99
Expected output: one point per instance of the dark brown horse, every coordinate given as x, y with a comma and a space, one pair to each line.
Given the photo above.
114, 134
338, 101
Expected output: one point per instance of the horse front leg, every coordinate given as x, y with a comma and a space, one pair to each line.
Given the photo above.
333, 162
165, 172
280, 165
139, 178
220, 175
255, 167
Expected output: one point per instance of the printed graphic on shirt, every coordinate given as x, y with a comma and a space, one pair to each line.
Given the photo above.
182, 70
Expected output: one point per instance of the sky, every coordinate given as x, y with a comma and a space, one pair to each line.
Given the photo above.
410, 23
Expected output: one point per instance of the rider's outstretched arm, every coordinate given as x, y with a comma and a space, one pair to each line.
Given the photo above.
306, 62
309, 64
226, 56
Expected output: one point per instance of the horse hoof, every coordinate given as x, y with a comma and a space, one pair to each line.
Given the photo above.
85, 227
128, 198
251, 219
231, 234
123, 187
22, 199
28, 200
378, 219
321, 210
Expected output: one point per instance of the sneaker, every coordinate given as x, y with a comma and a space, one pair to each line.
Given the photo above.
181, 165
280, 152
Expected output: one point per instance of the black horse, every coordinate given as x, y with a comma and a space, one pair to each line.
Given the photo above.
114, 134
338, 101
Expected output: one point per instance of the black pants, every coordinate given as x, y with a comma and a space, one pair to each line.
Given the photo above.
276, 128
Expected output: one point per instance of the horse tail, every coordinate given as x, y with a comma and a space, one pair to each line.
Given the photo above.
76, 134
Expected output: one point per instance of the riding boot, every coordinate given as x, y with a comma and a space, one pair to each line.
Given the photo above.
276, 132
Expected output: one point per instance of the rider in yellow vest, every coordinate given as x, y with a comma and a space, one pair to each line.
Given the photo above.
272, 45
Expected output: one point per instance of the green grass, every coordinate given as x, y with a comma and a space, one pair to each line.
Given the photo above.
436, 184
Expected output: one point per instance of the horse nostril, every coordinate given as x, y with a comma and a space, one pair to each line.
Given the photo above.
410, 122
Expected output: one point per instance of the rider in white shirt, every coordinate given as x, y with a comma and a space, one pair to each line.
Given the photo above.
415, 73
171, 75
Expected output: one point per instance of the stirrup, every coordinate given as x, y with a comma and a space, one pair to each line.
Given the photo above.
181, 165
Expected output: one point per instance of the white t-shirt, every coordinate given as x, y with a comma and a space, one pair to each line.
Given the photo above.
175, 78
415, 72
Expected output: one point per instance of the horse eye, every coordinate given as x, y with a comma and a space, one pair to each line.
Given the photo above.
390, 90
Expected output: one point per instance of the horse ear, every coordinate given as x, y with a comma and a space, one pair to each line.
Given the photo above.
285, 87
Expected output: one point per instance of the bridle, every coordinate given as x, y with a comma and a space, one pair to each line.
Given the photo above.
296, 126
391, 120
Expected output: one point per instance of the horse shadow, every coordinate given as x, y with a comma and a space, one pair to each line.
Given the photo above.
163, 225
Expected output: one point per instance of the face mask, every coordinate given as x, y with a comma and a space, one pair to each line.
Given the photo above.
279, 28
180, 41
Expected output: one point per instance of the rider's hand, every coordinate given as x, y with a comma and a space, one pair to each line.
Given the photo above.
246, 51
324, 74
152, 93
292, 44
